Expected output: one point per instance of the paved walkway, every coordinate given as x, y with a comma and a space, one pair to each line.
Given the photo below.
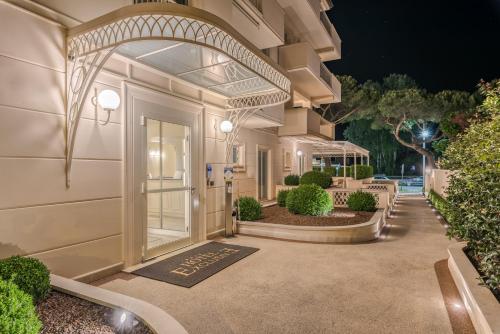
388, 286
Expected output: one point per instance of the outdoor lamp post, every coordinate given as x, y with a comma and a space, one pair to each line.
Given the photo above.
424, 134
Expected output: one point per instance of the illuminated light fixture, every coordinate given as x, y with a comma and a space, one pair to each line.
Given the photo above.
108, 100
425, 133
123, 317
457, 306
226, 126
300, 153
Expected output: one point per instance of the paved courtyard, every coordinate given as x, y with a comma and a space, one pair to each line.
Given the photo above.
389, 286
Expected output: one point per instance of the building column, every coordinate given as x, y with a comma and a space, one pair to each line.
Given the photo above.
355, 158
345, 162
368, 159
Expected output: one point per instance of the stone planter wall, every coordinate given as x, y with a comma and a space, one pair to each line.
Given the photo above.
481, 304
363, 232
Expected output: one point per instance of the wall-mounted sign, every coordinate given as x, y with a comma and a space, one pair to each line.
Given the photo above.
228, 173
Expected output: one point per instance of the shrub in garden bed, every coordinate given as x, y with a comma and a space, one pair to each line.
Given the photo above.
440, 204
362, 171
319, 178
473, 195
249, 209
309, 199
17, 312
361, 201
281, 198
292, 180
347, 171
29, 274
330, 171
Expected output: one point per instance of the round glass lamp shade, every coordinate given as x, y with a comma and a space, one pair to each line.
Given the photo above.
300, 153
108, 99
226, 126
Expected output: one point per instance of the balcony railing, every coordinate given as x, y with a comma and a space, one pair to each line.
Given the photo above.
325, 74
326, 22
257, 4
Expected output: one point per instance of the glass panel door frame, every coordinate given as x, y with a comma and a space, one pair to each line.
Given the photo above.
166, 186
174, 110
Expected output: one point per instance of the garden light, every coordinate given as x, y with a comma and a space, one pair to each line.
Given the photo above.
425, 133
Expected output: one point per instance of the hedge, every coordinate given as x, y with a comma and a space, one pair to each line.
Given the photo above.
330, 171
362, 201
17, 312
319, 178
309, 199
441, 205
292, 180
347, 171
249, 209
29, 274
281, 198
362, 171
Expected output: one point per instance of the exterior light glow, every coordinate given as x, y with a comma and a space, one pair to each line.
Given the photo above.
108, 100
300, 153
226, 126
123, 317
424, 134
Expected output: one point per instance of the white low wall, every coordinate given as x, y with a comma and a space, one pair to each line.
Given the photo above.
340, 196
367, 231
438, 180
481, 304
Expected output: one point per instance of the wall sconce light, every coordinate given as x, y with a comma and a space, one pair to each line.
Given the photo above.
226, 126
300, 153
108, 100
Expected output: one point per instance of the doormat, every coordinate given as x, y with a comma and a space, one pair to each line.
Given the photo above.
190, 268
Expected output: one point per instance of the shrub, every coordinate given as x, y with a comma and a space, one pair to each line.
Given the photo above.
292, 180
29, 274
362, 201
315, 177
17, 312
317, 168
282, 197
309, 199
347, 171
440, 204
330, 171
362, 171
249, 209
473, 194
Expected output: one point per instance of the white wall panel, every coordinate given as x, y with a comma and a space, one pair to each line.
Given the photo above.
40, 228
25, 133
83, 258
31, 38
28, 182
30, 86
94, 141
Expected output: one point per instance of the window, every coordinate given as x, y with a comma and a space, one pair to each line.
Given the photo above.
287, 160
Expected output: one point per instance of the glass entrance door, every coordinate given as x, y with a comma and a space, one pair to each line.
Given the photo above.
263, 157
168, 187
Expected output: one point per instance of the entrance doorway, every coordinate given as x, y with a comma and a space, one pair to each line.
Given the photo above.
165, 159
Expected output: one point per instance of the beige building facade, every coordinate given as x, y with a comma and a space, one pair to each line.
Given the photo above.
109, 188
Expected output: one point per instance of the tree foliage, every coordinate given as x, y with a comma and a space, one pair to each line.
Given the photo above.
474, 190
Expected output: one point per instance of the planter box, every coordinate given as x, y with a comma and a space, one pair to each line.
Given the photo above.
481, 304
367, 231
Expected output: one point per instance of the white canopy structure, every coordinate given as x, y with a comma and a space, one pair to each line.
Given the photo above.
184, 41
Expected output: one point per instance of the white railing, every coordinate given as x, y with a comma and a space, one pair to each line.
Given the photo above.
325, 74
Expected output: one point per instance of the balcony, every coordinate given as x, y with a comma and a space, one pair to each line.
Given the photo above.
311, 79
307, 21
307, 126
261, 22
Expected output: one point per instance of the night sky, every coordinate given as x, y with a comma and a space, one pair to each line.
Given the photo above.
442, 44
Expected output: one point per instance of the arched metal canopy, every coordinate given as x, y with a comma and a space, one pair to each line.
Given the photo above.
226, 62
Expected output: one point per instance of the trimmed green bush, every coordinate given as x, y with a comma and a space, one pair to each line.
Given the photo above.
362, 171
17, 312
249, 209
317, 168
473, 195
314, 177
281, 198
440, 204
361, 201
330, 171
29, 274
309, 199
347, 171
292, 180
